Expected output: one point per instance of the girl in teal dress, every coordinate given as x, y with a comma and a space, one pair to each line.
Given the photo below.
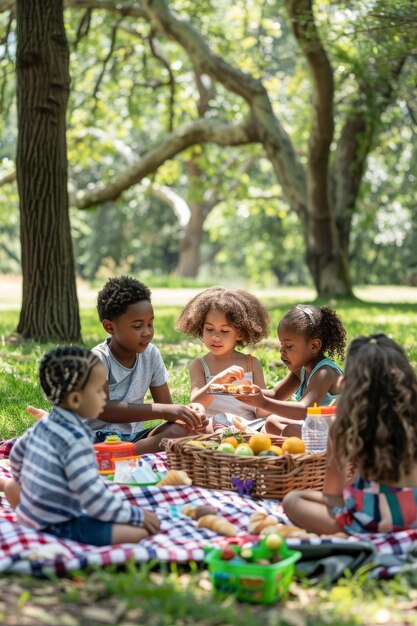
310, 336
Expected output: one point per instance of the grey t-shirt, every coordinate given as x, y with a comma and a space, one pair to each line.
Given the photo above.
129, 384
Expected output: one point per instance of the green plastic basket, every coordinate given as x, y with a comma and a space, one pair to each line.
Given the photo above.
252, 582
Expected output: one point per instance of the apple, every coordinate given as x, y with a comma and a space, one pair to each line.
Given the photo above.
227, 554
225, 447
244, 450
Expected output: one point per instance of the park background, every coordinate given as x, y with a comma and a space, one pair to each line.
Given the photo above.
265, 144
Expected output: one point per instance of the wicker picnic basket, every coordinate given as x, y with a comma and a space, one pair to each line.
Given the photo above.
273, 476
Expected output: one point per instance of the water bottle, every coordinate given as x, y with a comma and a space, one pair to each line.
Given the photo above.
314, 430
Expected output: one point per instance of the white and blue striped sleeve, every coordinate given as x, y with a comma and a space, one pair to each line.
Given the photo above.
94, 496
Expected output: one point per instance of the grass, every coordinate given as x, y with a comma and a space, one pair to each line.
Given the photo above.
183, 597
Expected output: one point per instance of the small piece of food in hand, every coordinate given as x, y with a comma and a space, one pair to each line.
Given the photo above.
233, 388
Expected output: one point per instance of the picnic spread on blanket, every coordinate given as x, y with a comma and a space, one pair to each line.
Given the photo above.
192, 517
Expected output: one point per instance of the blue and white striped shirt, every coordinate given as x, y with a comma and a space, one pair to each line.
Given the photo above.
54, 463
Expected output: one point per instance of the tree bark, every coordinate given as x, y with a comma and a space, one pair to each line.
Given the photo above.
325, 257
49, 306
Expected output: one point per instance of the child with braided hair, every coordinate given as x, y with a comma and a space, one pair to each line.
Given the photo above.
309, 335
371, 479
56, 487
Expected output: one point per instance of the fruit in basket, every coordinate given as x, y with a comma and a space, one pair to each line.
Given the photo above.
267, 453
244, 449
246, 553
260, 442
293, 445
227, 554
225, 447
273, 541
231, 432
210, 445
278, 451
275, 557
232, 440
196, 442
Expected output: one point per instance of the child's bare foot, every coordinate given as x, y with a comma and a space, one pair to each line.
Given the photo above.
38, 414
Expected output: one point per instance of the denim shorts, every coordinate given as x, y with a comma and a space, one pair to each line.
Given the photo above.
84, 529
101, 435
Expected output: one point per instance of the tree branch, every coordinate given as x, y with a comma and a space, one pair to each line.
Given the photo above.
200, 131
9, 178
271, 134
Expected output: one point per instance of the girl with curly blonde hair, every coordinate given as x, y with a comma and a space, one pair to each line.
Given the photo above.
373, 441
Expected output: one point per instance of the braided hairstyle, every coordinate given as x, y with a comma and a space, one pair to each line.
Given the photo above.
376, 424
318, 321
243, 311
66, 369
117, 294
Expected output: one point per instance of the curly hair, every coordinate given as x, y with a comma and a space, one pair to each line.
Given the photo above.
66, 369
318, 321
376, 425
117, 294
242, 310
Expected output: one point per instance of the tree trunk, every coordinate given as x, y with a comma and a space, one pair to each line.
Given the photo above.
190, 243
49, 306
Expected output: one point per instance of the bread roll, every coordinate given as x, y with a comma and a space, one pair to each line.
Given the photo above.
218, 524
175, 478
259, 521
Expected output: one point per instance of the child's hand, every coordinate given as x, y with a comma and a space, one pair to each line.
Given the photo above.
38, 414
254, 399
185, 414
201, 412
151, 522
229, 375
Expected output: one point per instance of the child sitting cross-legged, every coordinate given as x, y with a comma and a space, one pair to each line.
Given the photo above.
373, 441
56, 487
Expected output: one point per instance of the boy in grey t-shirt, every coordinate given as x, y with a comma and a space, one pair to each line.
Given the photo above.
134, 365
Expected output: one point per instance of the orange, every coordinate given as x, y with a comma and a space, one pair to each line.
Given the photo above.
231, 440
293, 445
277, 450
259, 442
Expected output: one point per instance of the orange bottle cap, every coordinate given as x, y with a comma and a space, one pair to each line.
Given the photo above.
328, 410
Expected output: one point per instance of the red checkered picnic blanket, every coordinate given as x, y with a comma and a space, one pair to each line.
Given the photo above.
23, 550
